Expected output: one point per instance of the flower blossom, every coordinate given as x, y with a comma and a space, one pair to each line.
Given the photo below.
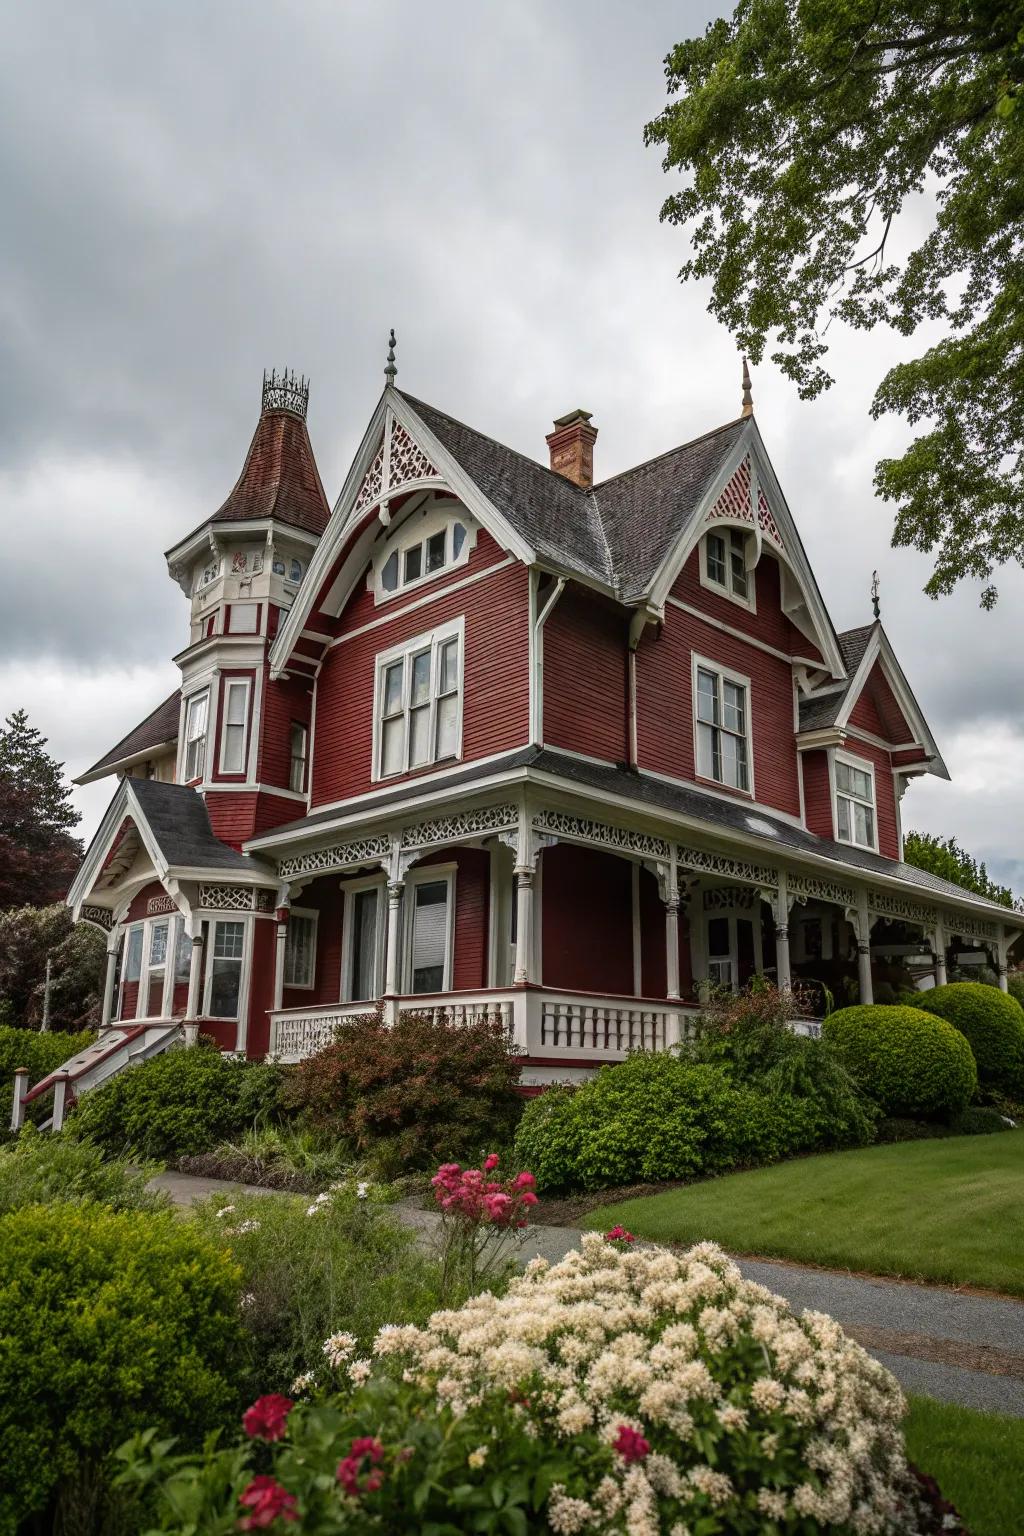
630, 1444
470, 1195
267, 1419
338, 1348
619, 1235
269, 1501
366, 1448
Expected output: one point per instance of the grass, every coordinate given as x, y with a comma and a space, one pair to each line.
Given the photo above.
949, 1211
977, 1459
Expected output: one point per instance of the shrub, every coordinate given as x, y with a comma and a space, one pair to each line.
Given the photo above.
910, 1063
183, 1101
313, 1267
634, 1390
657, 1117
993, 1025
41, 1054
40, 1168
414, 1094
111, 1321
278, 1157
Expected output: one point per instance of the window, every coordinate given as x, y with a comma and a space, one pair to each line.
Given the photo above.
195, 736
156, 970
723, 752
244, 618
725, 564
419, 702
734, 950
300, 950
429, 935
298, 749
362, 943
236, 715
225, 982
182, 955
855, 803
435, 549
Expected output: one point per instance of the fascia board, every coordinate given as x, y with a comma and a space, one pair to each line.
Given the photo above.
112, 818
199, 539
126, 762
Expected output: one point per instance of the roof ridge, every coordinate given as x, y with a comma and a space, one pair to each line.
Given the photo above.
488, 438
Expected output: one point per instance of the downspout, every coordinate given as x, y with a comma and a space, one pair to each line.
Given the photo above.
637, 624
537, 732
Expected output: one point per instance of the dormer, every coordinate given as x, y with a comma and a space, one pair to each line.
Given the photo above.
436, 536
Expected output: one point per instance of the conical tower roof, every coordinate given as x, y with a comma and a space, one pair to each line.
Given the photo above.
279, 478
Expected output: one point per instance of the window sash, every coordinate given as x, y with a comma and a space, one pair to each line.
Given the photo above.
363, 915
725, 562
300, 951
195, 736
413, 563
236, 714
428, 946
225, 981
722, 741
855, 805
419, 710
298, 746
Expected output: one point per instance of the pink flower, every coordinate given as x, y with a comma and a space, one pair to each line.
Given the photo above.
267, 1419
491, 1161
630, 1444
619, 1235
524, 1180
367, 1448
269, 1501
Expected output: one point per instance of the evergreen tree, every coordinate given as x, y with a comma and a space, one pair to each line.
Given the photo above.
38, 854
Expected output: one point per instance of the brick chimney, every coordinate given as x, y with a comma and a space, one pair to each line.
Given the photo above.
572, 447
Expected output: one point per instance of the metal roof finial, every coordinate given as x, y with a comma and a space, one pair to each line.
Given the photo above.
748, 398
874, 595
391, 371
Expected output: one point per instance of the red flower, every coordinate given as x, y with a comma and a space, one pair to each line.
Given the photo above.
267, 1419
269, 1501
523, 1180
619, 1235
368, 1448
631, 1444
491, 1161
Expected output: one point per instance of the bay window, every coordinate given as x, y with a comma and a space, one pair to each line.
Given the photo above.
419, 702
722, 710
233, 730
855, 802
196, 712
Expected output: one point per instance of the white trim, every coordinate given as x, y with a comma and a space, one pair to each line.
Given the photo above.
241, 1017
418, 602
242, 771
634, 876
428, 874
309, 914
188, 701
432, 640
430, 518
857, 733
218, 787
861, 765
878, 649
737, 634
351, 888
727, 675
731, 525
538, 618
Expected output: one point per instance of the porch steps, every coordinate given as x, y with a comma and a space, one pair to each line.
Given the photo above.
117, 1048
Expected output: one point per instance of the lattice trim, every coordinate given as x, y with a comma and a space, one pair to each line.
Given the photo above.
719, 897
226, 898
157, 905
364, 850
408, 461
888, 904
969, 927
705, 863
810, 888
561, 824
99, 917
373, 481
460, 825
735, 502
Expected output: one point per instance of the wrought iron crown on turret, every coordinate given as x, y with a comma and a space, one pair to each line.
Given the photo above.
285, 393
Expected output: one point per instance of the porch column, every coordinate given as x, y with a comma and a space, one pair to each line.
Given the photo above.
20, 1090
391, 957
1002, 951
195, 976
780, 911
524, 874
108, 988
939, 946
672, 945
280, 943
863, 930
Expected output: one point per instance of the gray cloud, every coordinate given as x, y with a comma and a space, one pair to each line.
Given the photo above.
195, 192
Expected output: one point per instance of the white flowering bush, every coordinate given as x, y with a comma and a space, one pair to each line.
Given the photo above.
624, 1389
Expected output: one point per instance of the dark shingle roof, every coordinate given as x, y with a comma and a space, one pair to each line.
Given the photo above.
817, 714
157, 730
176, 815
279, 477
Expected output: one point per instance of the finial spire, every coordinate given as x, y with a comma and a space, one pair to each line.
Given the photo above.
748, 399
874, 595
391, 371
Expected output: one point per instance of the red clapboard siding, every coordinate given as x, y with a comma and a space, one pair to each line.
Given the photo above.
878, 712
665, 706
261, 986
129, 999
585, 698
817, 794
233, 816
223, 1032
287, 700
496, 701
472, 907
140, 902
179, 999
362, 608
885, 795
327, 898
865, 715
586, 920
272, 810
769, 623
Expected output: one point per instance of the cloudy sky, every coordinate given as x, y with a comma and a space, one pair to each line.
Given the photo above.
194, 192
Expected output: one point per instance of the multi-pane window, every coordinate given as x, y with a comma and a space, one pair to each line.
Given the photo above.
195, 736
236, 713
723, 746
362, 913
156, 971
420, 703
413, 562
298, 750
182, 955
429, 943
855, 804
300, 950
725, 562
225, 983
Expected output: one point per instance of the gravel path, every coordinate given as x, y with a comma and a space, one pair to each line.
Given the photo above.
949, 1344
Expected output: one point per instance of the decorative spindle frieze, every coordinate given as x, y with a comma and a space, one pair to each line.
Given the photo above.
338, 856
460, 825
99, 917
234, 898
703, 862
603, 835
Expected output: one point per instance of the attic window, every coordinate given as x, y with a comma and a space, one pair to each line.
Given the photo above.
425, 547
723, 565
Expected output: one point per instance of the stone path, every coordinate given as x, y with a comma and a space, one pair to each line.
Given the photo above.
949, 1344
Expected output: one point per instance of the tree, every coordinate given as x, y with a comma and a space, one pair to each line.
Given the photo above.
78, 952
804, 128
38, 854
944, 857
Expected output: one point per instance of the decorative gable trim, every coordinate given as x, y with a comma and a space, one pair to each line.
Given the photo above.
879, 651
124, 807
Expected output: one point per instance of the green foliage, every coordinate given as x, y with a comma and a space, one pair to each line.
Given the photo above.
412, 1095
41, 1054
28, 935
657, 1117
38, 854
993, 1024
909, 1062
183, 1101
40, 1168
801, 133
1015, 986
944, 857
278, 1157
111, 1321
311, 1269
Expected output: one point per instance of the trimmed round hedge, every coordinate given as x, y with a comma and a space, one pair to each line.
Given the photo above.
910, 1062
992, 1023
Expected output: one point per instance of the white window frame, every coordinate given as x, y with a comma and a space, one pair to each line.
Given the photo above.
122, 979
244, 683
728, 675
429, 874
308, 915
297, 725
725, 532
733, 916
417, 529
146, 925
435, 639
204, 696
352, 888
241, 1016
250, 609
862, 765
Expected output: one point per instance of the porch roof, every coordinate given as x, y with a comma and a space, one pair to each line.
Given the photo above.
753, 822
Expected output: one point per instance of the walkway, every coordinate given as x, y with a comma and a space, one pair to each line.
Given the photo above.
946, 1343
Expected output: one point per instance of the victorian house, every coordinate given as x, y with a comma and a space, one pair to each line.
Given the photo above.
496, 736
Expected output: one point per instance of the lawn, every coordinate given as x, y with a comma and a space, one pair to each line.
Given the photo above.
977, 1459
947, 1210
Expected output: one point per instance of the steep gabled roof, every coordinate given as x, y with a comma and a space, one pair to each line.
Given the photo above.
818, 714
160, 729
279, 477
